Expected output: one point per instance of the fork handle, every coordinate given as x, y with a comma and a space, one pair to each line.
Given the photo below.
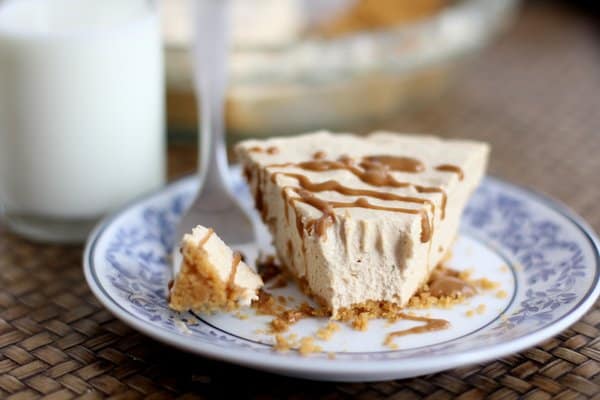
212, 38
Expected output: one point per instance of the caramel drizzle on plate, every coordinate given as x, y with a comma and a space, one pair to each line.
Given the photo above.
447, 283
374, 170
431, 325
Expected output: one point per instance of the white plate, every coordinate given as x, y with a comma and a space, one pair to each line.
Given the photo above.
545, 258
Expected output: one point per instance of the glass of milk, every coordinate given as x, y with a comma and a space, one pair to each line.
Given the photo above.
81, 112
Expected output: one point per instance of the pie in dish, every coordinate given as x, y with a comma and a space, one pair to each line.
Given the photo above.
211, 276
361, 222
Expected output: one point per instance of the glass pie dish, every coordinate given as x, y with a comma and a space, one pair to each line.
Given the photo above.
289, 76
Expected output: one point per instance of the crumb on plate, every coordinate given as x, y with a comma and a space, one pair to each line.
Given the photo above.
327, 331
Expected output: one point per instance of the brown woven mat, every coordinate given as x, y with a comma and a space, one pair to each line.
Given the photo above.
535, 96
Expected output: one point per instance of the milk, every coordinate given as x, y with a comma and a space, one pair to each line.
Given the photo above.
81, 109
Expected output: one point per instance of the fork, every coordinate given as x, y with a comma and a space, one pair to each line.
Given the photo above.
215, 205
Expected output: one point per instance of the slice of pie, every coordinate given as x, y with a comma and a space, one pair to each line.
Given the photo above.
211, 276
362, 222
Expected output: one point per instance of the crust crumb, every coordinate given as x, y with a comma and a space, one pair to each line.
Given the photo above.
284, 317
361, 321
279, 282
267, 267
198, 285
465, 275
182, 327
308, 346
424, 300
241, 316
327, 331
485, 284
281, 344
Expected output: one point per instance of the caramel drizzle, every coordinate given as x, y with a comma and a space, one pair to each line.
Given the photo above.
327, 207
426, 228
431, 325
247, 173
447, 283
451, 168
235, 262
299, 223
258, 196
397, 163
335, 186
269, 150
319, 155
320, 224
373, 170
203, 241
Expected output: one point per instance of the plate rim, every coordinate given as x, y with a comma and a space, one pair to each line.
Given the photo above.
333, 369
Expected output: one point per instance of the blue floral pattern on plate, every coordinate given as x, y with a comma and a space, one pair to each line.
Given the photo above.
127, 265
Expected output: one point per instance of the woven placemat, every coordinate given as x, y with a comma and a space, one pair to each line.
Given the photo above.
534, 95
